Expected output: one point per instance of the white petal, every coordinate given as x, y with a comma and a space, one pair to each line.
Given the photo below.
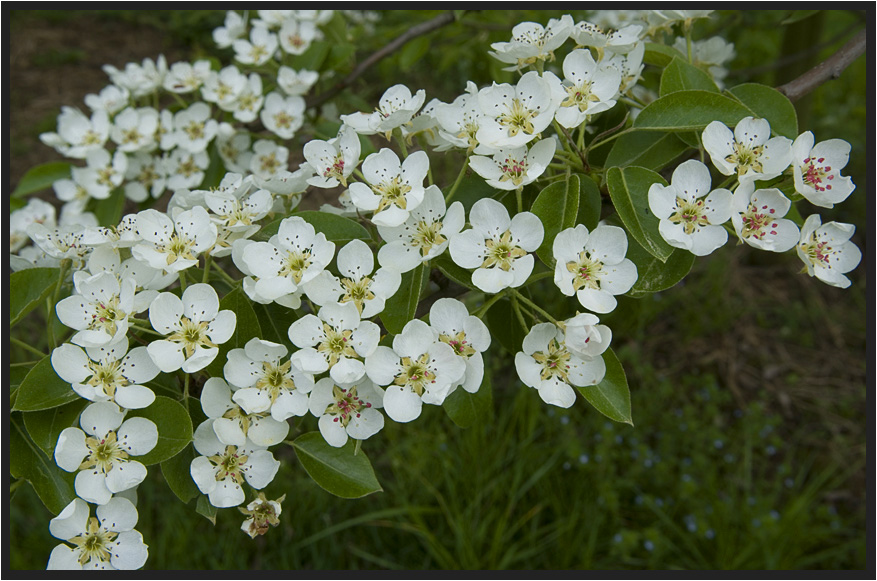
332, 430
261, 469
70, 449
70, 522
100, 418
402, 404
137, 436
91, 486
128, 552
125, 475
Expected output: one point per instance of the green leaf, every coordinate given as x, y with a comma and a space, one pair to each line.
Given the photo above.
557, 206
472, 189
205, 509
29, 288
312, 58
412, 52
402, 306
450, 269
660, 55
796, 15
42, 389
178, 476
590, 202
45, 426
42, 177
768, 103
651, 150
109, 211
274, 321
336, 470
246, 328
629, 189
339, 55
689, 110
610, 397
215, 169
174, 428
469, 409
26, 460
654, 275
681, 75
503, 325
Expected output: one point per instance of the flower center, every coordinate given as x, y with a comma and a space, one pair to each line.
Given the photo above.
428, 235
336, 344
269, 164
192, 335
93, 543
103, 453
458, 343
554, 361
131, 135
283, 119
106, 377
179, 247
502, 252
229, 465
258, 52
416, 374
295, 264
690, 215
188, 168
148, 176
587, 271
517, 118
91, 138
276, 379
336, 170
579, 96
194, 130
757, 222
106, 314
357, 291
513, 170
392, 192
347, 405
815, 175
817, 251
746, 158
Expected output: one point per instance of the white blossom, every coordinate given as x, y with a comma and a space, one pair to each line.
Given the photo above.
394, 189
749, 152
347, 410
516, 114
816, 170
173, 245
467, 335
396, 107
232, 425
826, 250
512, 168
757, 216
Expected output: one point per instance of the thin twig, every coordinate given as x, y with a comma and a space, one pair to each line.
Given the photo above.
413, 32
829, 69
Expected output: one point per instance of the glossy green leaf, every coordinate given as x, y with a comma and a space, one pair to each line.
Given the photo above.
629, 189
45, 426
504, 326
174, 428
651, 150
402, 306
29, 288
176, 472
109, 211
470, 409
689, 110
42, 389
42, 177
246, 327
660, 55
205, 509
654, 275
611, 397
313, 57
681, 75
557, 206
337, 470
26, 460
452, 270
768, 103
590, 202
471, 189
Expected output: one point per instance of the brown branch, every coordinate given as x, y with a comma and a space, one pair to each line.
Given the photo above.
396, 44
827, 70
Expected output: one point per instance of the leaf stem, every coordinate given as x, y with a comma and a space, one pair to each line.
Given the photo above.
458, 181
517, 309
27, 346
208, 260
482, 310
534, 306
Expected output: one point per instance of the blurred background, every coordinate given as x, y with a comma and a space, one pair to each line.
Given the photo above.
747, 380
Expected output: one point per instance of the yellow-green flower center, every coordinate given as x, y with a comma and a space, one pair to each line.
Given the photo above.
103, 453
502, 252
587, 271
746, 158
392, 192
579, 96
192, 335
458, 343
415, 374
357, 291
295, 264
347, 405
94, 542
690, 214
276, 379
336, 345
517, 118
229, 464
554, 361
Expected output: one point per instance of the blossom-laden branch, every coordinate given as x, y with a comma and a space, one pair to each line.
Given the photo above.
413, 32
829, 69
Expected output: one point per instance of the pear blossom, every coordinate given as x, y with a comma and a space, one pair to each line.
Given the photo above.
194, 327
584, 337
712, 54
272, 19
259, 49
267, 384
36, 211
77, 134
185, 169
516, 114
134, 129
164, 133
592, 266
466, 334
294, 82
232, 425
102, 458
287, 187
630, 65
587, 88
110, 373
193, 127
234, 148
290, 258
816, 170
334, 160
220, 469
418, 369
347, 411
460, 120
396, 107
261, 513
145, 177
61, 241
173, 245
99, 309
498, 248
102, 174
749, 152
334, 340
512, 168
185, 77
532, 42
105, 541
269, 159
111, 99
249, 100
234, 27
546, 364
237, 205
224, 87
826, 250
139, 80
690, 213
282, 116
368, 291
296, 35
394, 188
424, 235
757, 216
